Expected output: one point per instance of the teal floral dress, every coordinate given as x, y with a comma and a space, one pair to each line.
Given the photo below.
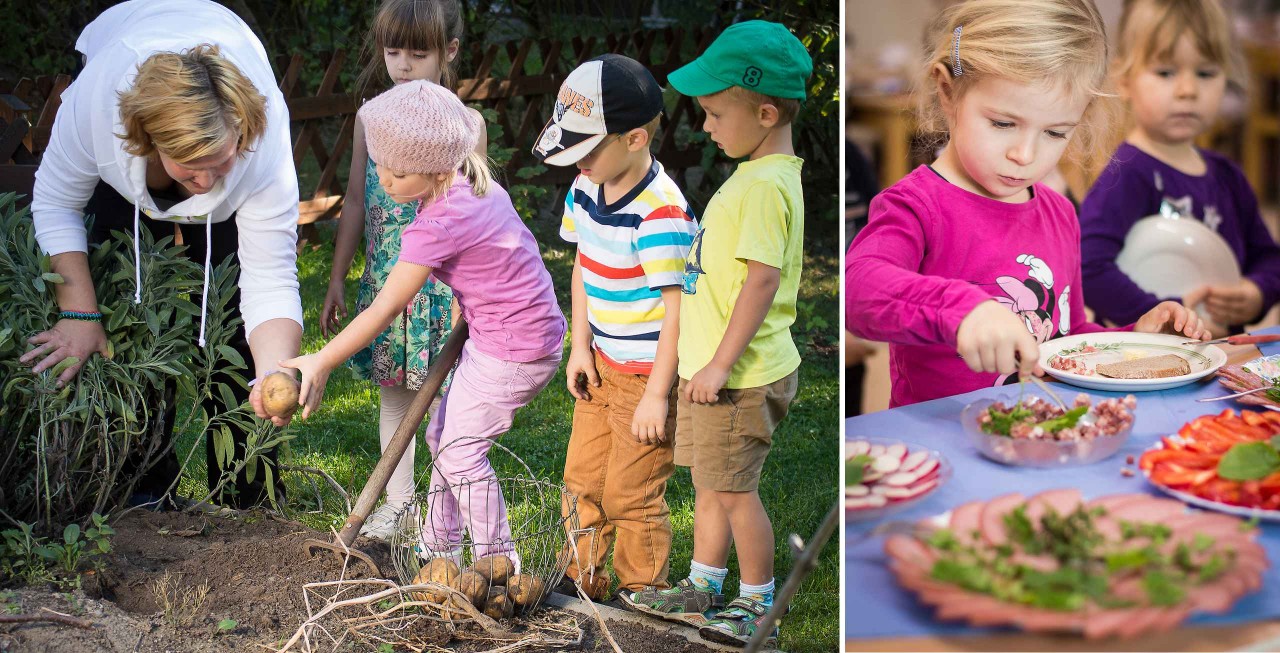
401, 354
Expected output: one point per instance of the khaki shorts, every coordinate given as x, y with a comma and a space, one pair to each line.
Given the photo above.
725, 443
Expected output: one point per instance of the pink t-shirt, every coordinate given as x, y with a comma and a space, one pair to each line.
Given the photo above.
932, 251
479, 247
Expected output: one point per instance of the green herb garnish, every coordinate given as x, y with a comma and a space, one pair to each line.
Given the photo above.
1066, 421
1161, 589
855, 468
1002, 422
972, 577
1249, 461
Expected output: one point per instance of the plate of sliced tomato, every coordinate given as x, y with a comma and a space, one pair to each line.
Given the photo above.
1198, 464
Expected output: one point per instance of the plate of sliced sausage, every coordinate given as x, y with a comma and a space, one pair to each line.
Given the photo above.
1114, 566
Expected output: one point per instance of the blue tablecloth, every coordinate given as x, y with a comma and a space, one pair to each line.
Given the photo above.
875, 605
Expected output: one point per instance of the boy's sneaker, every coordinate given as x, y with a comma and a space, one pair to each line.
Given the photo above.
382, 524
737, 623
685, 603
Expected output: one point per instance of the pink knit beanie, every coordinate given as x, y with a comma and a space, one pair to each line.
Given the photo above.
419, 127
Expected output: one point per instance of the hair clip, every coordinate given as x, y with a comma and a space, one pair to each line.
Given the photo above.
956, 70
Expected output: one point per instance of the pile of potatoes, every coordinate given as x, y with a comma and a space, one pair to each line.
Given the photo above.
491, 585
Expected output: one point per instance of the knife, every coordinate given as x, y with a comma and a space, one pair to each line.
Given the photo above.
1237, 340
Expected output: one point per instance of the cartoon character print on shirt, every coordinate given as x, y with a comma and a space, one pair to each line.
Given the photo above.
693, 265
1033, 300
1184, 207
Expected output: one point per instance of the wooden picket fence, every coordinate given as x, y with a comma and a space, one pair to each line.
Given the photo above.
517, 79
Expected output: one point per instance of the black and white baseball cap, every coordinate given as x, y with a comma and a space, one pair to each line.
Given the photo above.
610, 94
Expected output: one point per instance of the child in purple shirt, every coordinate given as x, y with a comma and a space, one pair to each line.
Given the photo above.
469, 236
1174, 91
972, 255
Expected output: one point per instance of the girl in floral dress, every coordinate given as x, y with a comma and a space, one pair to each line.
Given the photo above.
415, 40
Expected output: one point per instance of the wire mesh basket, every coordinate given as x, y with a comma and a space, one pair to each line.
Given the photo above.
438, 539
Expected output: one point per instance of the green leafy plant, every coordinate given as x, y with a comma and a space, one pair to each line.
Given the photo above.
68, 452
33, 559
227, 625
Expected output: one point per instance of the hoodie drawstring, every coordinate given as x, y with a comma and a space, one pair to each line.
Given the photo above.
137, 266
208, 254
137, 255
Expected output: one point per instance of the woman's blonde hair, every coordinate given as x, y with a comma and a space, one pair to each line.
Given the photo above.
427, 25
188, 105
1058, 43
1150, 30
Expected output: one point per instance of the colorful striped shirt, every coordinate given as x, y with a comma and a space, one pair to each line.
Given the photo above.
628, 251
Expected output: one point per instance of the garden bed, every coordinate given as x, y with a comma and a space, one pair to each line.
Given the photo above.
254, 567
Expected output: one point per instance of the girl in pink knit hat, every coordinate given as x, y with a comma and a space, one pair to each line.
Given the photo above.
408, 40
468, 235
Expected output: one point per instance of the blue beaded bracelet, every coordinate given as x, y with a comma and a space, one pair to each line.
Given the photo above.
78, 315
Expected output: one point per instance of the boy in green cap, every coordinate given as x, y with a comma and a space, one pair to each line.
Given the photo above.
737, 359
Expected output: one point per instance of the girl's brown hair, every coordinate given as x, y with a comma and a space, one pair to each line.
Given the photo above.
1150, 30
188, 105
1059, 43
427, 25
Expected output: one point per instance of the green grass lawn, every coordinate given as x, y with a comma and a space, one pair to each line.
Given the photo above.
800, 476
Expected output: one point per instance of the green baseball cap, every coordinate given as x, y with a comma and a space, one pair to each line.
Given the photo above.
757, 55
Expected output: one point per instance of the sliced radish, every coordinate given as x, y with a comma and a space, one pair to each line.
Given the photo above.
887, 463
859, 448
934, 473
871, 475
898, 451
857, 490
927, 467
913, 461
876, 450
904, 479
863, 503
893, 492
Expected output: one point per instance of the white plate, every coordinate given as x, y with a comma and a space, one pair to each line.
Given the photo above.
874, 514
1199, 502
1169, 257
1203, 359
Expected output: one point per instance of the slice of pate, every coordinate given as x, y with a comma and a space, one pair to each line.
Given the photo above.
1151, 367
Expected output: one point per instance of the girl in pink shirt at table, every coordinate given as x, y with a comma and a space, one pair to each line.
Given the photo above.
467, 233
973, 255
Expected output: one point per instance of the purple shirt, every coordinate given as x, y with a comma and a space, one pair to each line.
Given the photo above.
932, 251
479, 247
1131, 188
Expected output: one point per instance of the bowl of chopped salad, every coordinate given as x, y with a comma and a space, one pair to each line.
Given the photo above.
1026, 427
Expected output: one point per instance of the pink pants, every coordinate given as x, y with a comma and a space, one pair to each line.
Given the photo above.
475, 411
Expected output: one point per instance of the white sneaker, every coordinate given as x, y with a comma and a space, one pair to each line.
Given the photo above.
382, 524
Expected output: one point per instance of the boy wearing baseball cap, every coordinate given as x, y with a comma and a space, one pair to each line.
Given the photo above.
737, 359
633, 229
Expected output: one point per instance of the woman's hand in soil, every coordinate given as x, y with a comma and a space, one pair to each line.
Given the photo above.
315, 375
335, 305
1172, 317
581, 373
992, 339
77, 339
649, 423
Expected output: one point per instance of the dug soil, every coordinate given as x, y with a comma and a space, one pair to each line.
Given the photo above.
255, 568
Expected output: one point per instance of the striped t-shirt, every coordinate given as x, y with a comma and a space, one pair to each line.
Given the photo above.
628, 251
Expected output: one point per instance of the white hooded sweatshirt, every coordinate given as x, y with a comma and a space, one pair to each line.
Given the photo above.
262, 187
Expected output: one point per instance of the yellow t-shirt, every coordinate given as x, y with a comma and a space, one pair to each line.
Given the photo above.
757, 215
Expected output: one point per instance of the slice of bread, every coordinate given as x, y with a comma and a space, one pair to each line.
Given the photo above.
1151, 367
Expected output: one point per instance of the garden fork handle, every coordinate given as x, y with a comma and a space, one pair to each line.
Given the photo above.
436, 374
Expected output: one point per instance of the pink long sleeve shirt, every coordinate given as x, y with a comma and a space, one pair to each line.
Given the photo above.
932, 251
